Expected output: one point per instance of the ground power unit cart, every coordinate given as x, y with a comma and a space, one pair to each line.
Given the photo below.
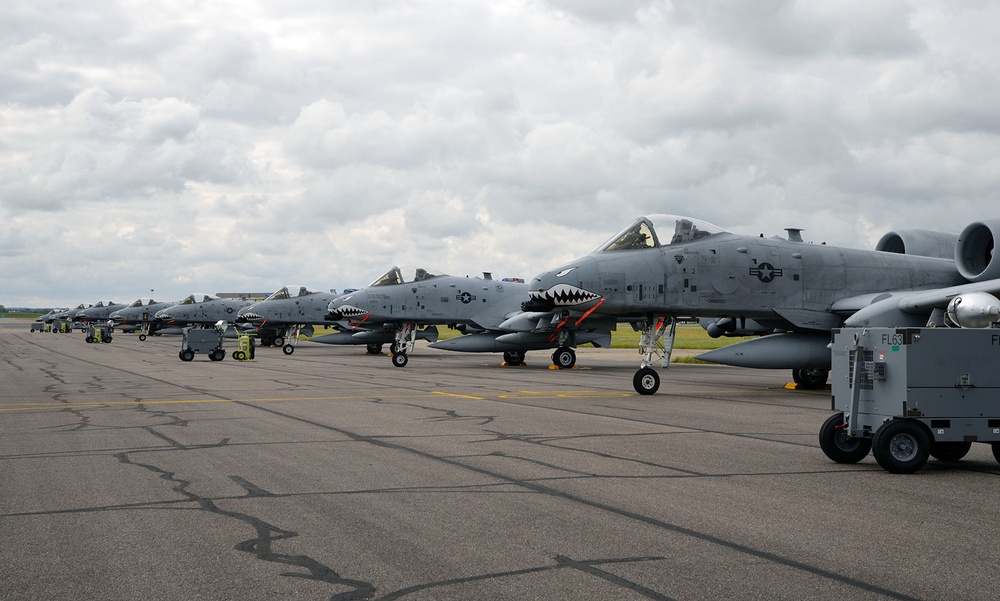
908, 393
208, 341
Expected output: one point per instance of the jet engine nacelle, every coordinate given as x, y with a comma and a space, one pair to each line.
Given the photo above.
974, 252
923, 243
975, 309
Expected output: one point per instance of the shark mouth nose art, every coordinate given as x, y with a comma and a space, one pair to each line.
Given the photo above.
251, 317
349, 312
564, 295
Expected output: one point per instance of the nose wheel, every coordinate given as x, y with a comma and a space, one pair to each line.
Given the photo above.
564, 357
646, 381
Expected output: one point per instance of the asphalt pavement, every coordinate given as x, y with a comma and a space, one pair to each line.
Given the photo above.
126, 473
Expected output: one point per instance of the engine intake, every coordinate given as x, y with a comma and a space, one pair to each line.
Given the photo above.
974, 253
923, 243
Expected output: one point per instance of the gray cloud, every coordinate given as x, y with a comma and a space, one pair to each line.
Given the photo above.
212, 148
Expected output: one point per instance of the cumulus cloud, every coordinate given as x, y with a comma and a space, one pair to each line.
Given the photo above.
221, 146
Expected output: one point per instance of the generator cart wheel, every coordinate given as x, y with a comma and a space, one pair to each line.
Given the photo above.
89, 339
399, 359
949, 451
239, 355
217, 355
186, 355
840, 447
646, 381
901, 446
288, 349
107, 339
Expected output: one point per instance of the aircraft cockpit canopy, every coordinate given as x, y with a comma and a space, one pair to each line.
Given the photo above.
104, 303
654, 231
404, 275
198, 297
292, 292
141, 302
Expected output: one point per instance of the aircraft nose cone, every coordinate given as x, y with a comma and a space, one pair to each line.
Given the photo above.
248, 316
344, 312
569, 286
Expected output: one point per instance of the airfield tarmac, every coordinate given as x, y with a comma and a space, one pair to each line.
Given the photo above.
331, 474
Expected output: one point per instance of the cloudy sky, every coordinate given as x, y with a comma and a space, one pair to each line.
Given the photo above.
213, 146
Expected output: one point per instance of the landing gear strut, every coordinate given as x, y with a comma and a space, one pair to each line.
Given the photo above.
655, 341
564, 357
289, 347
406, 338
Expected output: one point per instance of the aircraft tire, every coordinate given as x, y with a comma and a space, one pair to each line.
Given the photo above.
513, 358
374, 348
564, 357
996, 451
400, 359
279, 341
288, 349
901, 446
840, 447
142, 338
810, 379
186, 355
950, 451
646, 381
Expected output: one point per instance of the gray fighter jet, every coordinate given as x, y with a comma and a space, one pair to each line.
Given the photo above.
402, 299
202, 309
290, 311
140, 315
100, 311
63, 320
42, 320
661, 267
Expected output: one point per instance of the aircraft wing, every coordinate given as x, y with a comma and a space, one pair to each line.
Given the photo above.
906, 308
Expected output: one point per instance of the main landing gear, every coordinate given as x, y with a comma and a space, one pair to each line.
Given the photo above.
513, 358
655, 341
810, 379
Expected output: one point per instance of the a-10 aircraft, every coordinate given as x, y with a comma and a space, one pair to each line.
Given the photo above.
288, 312
399, 302
203, 309
661, 267
140, 314
294, 310
99, 311
42, 320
